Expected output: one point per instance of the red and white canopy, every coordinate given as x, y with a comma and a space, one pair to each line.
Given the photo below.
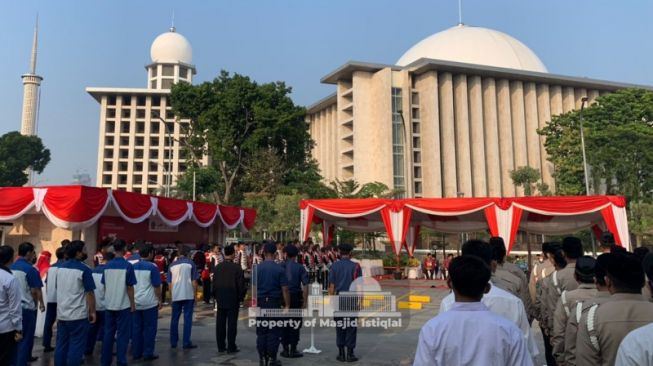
403, 218
79, 207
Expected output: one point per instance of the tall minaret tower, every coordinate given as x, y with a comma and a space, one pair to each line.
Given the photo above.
31, 83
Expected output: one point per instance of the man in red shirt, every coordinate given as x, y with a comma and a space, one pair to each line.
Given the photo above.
429, 266
162, 263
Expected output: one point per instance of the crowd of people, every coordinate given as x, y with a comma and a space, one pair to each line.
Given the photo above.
592, 311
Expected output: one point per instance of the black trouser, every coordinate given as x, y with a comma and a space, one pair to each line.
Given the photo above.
548, 350
164, 290
267, 338
290, 335
226, 326
207, 290
8, 348
345, 332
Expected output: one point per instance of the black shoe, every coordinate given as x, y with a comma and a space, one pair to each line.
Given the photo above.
190, 346
285, 353
137, 358
221, 350
294, 353
274, 362
32, 359
232, 351
341, 355
151, 358
350, 355
48, 349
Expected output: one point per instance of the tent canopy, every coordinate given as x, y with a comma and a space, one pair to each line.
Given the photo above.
79, 207
403, 218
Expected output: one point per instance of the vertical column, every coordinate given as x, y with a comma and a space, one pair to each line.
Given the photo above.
592, 95
544, 117
479, 182
518, 127
532, 138
505, 137
427, 87
334, 142
461, 118
448, 134
580, 94
556, 100
568, 99
99, 180
491, 132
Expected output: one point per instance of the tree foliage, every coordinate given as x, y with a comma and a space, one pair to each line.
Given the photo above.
527, 178
255, 136
17, 154
618, 131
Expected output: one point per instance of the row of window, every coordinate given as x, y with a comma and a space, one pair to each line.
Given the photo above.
139, 154
136, 178
140, 141
125, 127
141, 100
140, 113
169, 70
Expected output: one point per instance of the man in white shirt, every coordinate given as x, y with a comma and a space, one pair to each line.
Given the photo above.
469, 333
497, 300
11, 318
182, 276
636, 349
51, 296
147, 295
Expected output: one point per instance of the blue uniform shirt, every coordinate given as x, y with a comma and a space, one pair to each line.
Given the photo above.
98, 272
181, 275
343, 273
28, 278
74, 280
118, 275
270, 277
147, 277
297, 276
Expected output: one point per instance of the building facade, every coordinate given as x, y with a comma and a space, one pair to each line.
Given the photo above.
141, 142
453, 117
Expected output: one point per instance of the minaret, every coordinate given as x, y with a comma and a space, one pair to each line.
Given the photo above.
31, 83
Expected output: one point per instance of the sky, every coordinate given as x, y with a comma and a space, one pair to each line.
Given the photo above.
107, 44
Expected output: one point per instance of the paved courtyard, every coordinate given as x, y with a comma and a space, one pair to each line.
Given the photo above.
374, 346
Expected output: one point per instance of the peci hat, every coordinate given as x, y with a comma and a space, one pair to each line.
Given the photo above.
269, 248
345, 248
291, 250
623, 266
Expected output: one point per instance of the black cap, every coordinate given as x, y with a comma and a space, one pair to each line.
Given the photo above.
607, 239
624, 267
585, 268
291, 250
269, 248
345, 248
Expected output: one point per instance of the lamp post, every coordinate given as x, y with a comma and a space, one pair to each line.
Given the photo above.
583, 101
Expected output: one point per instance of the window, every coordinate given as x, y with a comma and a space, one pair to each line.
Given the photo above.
140, 113
183, 72
140, 127
139, 141
166, 84
167, 154
417, 172
154, 127
417, 142
153, 84
138, 154
156, 101
416, 127
153, 167
137, 179
397, 141
110, 127
415, 98
154, 154
108, 153
108, 141
154, 70
126, 100
106, 179
122, 167
124, 153
415, 113
168, 70
418, 187
124, 127
122, 179
111, 113
138, 167
124, 141
111, 100
140, 101
152, 179
182, 168
154, 141
126, 113
417, 157
107, 167
169, 114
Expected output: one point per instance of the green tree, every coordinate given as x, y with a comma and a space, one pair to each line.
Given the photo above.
641, 222
237, 121
618, 131
17, 154
527, 178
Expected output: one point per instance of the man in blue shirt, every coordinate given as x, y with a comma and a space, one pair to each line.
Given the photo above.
298, 289
75, 305
11, 318
342, 274
271, 286
30, 288
118, 280
147, 295
51, 296
182, 276
96, 331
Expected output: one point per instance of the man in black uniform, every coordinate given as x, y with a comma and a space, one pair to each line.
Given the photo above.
229, 290
298, 288
342, 274
271, 285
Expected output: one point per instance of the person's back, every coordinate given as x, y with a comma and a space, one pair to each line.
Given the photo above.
228, 285
182, 272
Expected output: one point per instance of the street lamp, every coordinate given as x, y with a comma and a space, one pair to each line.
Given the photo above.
583, 100
169, 170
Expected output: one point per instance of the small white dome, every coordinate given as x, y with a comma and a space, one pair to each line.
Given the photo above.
475, 45
171, 47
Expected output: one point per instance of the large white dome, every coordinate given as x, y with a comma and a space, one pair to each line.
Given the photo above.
171, 47
475, 45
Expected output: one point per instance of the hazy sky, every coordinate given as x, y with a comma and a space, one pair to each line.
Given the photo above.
107, 43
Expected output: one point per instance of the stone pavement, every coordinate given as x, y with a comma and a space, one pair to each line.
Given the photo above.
374, 346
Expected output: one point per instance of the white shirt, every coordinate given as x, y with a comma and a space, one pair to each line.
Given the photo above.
99, 290
11, 316
147, 278
471, 334
507, 305
74, 280
636, 348
50, 281
181, 275
118, 275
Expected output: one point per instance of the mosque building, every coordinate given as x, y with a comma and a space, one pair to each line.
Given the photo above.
141, 141
455, 114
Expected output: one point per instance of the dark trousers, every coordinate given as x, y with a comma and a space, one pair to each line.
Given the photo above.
95, 332
289, 335
207, 290
177, 307
144, 332
164, 291
50, 318
267, 338
117, 327
71, 341
345, 332
226, 327
24, 351
8, 348
548, 350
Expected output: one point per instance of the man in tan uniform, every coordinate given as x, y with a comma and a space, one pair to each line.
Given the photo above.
545, 304
584, 274
510, 273
580, 312
606, 325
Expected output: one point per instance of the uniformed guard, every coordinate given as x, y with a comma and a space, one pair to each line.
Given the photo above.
298, 288
271, 287
511, 273
342, 274
606, 324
